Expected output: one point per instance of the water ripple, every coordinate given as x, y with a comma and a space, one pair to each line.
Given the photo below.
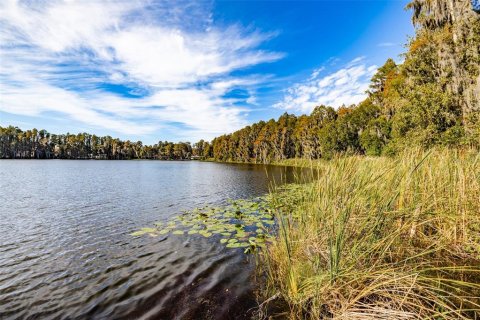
66, 252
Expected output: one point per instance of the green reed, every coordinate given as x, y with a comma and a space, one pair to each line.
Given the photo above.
379, 238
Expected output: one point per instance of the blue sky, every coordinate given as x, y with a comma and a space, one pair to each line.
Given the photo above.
180, 70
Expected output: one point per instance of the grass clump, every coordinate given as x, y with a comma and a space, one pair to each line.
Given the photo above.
380, 238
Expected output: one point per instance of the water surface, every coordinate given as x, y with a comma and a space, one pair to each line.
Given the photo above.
66, 251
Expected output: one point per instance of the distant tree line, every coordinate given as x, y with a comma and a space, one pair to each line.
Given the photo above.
40, 144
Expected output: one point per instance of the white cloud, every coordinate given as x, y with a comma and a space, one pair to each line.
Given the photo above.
252, 99
345, 86
57, 55
37, 98
387, 44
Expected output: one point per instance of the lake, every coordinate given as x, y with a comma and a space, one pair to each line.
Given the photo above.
66, 249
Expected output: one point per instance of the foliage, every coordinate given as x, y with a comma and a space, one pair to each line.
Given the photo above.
321, 134
40, 144
381, 238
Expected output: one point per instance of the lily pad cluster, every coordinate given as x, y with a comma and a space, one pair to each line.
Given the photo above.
245, 224
240, 224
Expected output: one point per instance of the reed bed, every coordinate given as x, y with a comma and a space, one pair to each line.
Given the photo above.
379, 238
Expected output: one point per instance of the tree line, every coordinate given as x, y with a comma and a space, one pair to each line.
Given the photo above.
40, 144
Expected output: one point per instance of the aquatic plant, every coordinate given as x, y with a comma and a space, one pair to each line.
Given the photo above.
247, 224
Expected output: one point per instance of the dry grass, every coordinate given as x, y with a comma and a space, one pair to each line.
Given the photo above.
381, 238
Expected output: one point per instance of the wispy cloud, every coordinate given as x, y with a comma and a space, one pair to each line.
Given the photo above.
167, 61
344, 86
387, 44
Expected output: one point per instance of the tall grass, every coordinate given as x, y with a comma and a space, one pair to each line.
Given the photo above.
380, 238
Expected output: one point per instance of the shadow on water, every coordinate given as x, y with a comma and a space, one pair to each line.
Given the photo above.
66, 250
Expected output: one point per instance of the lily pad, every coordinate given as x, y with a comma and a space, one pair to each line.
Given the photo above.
237, 245
143, 231
240, 224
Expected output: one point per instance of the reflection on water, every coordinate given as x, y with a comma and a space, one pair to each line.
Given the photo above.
66, 252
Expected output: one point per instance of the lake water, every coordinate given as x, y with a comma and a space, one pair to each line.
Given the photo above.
66, 251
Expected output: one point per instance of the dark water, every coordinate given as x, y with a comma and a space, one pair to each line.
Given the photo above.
66, 252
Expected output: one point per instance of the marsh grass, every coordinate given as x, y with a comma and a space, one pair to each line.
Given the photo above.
380, 238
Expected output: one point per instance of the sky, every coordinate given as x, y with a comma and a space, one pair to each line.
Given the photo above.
187, 70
